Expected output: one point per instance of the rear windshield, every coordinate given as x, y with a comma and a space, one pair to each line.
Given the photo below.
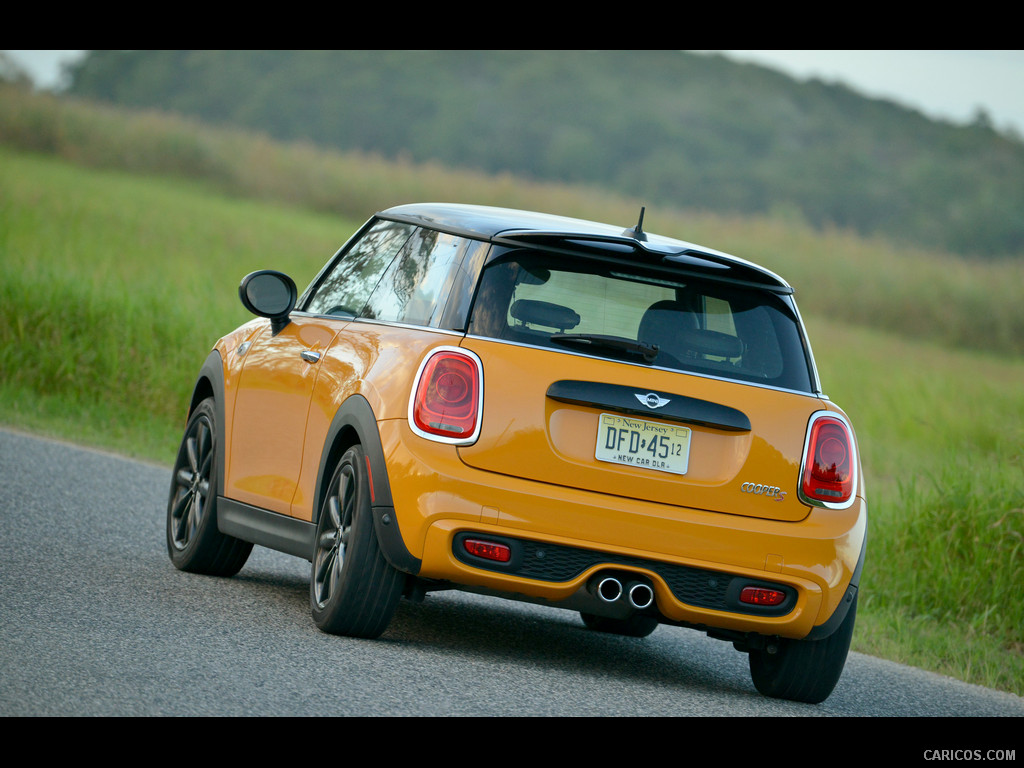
641, 315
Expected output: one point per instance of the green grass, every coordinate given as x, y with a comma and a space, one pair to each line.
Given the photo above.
115, 285
934, 297
941, 434
925, 295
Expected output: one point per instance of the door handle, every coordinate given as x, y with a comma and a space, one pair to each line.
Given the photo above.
309, 355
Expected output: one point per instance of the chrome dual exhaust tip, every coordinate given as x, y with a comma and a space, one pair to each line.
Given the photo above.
609, 589
640, 595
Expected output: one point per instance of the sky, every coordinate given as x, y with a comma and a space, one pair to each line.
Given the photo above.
948, 84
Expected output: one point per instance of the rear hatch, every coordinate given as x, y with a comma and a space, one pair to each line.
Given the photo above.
642, 383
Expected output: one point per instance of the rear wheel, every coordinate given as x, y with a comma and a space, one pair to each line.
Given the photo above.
636, 625
804, 670
193, 541
353, 589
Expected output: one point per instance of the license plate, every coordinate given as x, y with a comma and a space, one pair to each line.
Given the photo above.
645, 444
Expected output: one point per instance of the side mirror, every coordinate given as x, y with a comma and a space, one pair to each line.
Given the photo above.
269, 294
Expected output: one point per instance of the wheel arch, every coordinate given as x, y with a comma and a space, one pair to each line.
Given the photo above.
355, 423
212, 550
210, 383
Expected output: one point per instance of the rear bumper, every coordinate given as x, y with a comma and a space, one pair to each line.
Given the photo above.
695, 561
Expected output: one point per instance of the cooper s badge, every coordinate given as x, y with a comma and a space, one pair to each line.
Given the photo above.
771, 491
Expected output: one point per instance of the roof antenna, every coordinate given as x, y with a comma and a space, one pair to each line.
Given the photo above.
637, 232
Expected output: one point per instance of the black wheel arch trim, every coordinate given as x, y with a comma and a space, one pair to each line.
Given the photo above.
210, 383
354, 423
822, 631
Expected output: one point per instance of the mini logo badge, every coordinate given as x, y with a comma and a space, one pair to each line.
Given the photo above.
652, 400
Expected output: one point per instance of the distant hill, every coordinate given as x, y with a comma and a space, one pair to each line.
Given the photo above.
670, 127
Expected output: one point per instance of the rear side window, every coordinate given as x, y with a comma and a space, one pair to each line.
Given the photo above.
643, 315
346, 288
394, 272
417, 284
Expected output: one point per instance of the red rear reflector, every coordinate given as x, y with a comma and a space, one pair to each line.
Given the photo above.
446, 401
762, 596
829, 461
369, 476
489, 550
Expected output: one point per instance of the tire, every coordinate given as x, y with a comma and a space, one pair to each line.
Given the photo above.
353, 589
193, 541
637, 625
804, 670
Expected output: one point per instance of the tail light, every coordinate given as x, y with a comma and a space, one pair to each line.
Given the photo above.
828, 474
762, 596
447, 397
488, 550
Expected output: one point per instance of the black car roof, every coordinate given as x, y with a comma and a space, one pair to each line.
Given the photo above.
513, 227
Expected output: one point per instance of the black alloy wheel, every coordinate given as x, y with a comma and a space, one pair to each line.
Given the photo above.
193, 541
353, 589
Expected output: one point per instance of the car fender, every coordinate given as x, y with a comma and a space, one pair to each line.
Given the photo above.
210, 383
355, 422
822, 631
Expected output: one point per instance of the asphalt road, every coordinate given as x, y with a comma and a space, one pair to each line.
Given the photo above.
95, 621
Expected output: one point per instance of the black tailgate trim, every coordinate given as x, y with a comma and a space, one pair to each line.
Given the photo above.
616, 397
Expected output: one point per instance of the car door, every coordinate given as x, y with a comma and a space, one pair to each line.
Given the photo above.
280, 370
271, 408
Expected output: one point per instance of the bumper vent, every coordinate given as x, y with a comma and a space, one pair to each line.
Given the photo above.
692, 586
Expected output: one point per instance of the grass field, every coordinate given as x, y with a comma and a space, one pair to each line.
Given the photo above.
115, 285
115, 288
941, 434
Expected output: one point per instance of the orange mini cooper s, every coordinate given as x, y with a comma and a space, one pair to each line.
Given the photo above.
540, 408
